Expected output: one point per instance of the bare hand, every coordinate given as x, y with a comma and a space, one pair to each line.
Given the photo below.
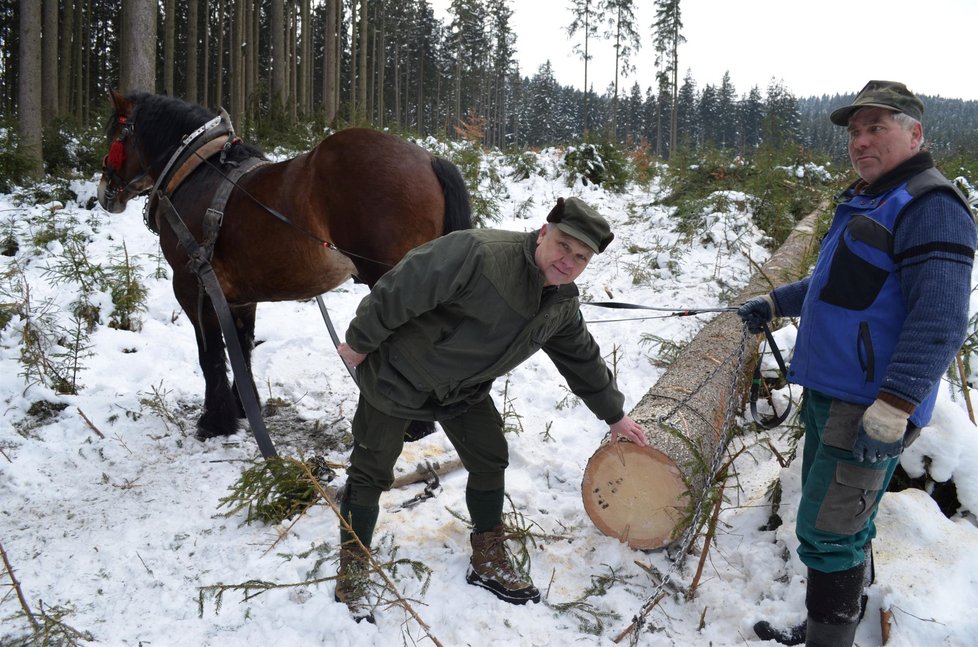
628, 429
350, 356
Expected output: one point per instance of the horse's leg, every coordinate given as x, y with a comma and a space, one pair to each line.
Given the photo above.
244, 323
220, 415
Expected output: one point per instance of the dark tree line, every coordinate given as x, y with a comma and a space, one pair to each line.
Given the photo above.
391, 63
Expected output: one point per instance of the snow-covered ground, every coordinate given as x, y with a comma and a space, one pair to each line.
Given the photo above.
111, 511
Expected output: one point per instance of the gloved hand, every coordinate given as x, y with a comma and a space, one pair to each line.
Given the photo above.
756, 312
881, 432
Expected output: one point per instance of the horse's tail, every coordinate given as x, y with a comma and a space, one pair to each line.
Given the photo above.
458, 209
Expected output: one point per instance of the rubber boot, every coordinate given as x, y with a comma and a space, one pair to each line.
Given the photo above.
796, 635
353, 575
491, 569
835, 605
353, 583
790, 636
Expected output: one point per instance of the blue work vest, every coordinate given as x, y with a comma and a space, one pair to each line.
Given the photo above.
854, 308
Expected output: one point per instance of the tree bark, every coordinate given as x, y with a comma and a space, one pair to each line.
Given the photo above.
278, 56
354, 103
64, 65
49, 63
305, 61
237, 67
642, 497
169, 45
217, 91
29, 85
191, 62
362, 85
330, 56
137, 67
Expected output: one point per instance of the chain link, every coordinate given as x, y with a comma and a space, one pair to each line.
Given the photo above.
678, 556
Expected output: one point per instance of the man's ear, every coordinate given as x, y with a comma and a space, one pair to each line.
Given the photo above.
917, 135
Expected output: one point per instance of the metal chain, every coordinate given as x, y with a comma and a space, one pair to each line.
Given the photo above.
691, 532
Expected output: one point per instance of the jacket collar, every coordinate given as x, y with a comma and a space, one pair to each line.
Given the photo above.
893, 178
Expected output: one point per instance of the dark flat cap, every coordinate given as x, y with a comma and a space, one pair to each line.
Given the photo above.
575, 218
881, 94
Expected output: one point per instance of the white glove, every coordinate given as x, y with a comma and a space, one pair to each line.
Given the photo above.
884, 422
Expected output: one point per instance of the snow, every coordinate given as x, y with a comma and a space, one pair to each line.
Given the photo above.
119, 523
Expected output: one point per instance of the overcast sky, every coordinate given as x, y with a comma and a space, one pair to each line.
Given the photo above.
825, 47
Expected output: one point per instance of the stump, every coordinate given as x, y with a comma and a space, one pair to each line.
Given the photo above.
643, 498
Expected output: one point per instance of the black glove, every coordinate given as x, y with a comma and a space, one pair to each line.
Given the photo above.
756, 312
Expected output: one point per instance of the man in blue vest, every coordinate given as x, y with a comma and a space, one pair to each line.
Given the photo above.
882, 315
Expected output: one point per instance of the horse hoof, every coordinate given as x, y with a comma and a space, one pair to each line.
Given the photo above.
203, 434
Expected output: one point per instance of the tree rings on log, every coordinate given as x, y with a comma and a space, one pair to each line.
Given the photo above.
634, 494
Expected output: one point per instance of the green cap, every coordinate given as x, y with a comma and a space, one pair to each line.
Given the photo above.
575, 218
881, 94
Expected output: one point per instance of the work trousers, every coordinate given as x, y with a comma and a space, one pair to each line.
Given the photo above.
840, 495
477, 435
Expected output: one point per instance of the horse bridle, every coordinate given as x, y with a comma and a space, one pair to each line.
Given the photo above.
114, 160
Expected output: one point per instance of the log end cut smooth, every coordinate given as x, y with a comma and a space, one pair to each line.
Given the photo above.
635, 494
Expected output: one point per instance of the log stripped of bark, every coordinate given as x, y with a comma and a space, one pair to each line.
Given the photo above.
643, 496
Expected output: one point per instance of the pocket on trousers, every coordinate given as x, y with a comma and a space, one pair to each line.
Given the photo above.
850, 499
842, 424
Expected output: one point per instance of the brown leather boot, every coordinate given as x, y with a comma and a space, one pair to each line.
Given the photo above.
352, 583
491, 569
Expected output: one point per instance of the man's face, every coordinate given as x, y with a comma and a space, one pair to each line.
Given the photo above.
559, 256
878, 143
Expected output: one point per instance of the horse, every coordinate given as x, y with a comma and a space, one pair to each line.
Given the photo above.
352, 206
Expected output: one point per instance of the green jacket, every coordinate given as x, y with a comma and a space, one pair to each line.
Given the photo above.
462, 310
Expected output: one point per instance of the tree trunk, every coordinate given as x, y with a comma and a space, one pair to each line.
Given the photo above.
362, 85
237, 67
641, 496
137, 66
380, 62
252, 65
169, 45
191, 62
49, 63
293, 66
278, 57
330, 68
353, 62
64, 65
81, 58
85, 62
218, 82
29, 86
305, 83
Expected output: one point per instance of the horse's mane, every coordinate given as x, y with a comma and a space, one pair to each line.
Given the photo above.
161, 121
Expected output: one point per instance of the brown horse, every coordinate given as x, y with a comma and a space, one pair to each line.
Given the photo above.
352, 206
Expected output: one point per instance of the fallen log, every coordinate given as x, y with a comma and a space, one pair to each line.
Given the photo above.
643, 496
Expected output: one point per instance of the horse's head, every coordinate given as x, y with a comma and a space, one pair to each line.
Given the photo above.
124, 170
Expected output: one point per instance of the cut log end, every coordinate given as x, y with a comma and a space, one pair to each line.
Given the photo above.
634, 494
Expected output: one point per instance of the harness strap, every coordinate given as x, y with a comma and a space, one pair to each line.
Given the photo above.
214, 129
201, 266
755, 386
190, 165
214, 216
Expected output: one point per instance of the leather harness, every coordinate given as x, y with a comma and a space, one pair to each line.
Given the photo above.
217, 135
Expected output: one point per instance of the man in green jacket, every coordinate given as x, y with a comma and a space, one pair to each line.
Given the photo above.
427, 343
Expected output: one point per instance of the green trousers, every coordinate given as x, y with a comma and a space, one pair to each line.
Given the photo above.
476, 434
840, 495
